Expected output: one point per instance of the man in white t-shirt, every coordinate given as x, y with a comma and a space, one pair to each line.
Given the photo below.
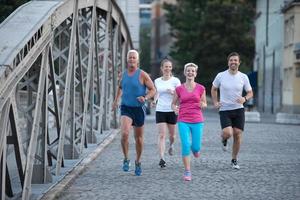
231, 84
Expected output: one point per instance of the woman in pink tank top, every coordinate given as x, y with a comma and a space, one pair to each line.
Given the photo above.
188, 102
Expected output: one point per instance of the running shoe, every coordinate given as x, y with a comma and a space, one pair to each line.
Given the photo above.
234, 164
162, 163
187, 176
138, 169
196, 154
171, 150
126, 165
224, 144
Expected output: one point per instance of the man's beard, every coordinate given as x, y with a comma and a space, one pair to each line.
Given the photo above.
233, 66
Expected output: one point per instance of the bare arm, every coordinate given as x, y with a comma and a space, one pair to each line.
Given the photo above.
214, 96
249, 95
153, 103
203, 103
146, 80
174, 105
118, 95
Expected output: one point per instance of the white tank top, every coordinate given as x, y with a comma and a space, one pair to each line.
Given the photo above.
165, 98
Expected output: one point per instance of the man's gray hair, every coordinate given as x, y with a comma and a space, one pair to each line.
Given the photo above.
133, 51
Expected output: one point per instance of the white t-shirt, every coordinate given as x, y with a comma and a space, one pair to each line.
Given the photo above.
231, 88
165, 98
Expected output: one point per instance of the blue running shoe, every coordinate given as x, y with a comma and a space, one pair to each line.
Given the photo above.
138, 169
126, 165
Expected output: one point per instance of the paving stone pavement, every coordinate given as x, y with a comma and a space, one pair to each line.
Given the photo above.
269, 161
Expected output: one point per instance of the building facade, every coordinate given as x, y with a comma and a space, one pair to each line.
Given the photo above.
131, 12
291, 64
145, 14
268, 63
277, 58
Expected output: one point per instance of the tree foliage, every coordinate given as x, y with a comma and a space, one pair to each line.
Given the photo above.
144, 48
8, 6
207, 31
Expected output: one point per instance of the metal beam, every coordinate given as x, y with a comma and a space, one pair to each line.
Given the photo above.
58, 83
88, 79
67, 90
35, 127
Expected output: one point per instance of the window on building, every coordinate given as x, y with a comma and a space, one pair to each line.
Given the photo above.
289, 31
297, 55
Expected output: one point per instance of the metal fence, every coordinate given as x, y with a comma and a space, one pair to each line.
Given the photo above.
60, 63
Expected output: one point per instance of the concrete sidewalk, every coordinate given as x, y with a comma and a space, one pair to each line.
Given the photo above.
73, 168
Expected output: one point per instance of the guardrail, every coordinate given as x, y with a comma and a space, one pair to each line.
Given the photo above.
60, 63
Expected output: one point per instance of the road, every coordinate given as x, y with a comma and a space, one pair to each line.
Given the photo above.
269, 161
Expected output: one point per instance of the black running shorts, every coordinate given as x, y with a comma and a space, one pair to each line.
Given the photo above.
166, 117
137, 114
234, 118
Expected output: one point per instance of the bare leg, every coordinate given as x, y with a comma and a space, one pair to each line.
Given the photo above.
172, 128
237, 139
161, 139
125, 129
186, 163
227, 132
139, 142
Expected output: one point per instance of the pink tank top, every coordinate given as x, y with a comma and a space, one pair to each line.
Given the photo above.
189, 109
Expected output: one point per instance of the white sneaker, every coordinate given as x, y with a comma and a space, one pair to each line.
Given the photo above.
234, 164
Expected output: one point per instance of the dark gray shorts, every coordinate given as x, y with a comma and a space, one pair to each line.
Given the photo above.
137, 114
234, 118
166, 117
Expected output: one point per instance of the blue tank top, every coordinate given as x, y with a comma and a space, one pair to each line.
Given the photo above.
131, 89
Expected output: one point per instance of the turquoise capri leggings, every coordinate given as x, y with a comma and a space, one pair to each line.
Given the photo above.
190, 136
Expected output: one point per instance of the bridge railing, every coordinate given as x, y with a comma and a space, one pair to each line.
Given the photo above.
60, 63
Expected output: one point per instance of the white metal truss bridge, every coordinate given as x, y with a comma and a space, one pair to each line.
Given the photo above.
60, 63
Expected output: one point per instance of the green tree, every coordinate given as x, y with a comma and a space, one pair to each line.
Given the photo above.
8, 6
207, 31
145, 48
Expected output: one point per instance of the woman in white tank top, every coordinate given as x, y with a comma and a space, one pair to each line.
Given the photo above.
165, 117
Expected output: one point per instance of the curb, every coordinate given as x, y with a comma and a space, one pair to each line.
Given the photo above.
56, 189
252, 116
287, 118
278, 118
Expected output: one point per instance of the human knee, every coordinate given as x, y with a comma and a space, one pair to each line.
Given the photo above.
185, 148
227, 133
237, 131
196, 148
237, 135
162, 136
125, 136
172, 136
139, 139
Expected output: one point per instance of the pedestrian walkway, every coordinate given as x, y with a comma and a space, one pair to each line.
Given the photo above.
269, 161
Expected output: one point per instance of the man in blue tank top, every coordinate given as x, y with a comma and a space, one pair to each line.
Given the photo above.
132, 90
